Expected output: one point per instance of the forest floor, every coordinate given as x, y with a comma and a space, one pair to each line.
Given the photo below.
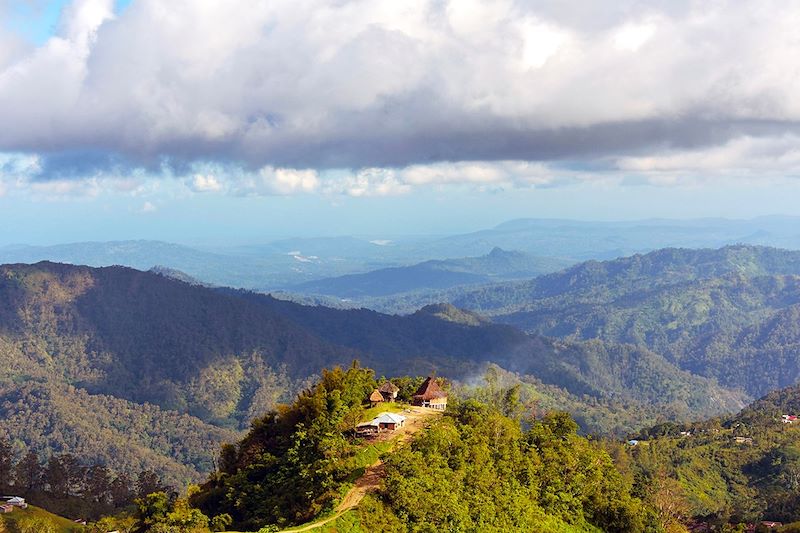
416, 419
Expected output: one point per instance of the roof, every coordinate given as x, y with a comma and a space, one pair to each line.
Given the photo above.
376, 396
389, 387
384, 418
388, 418
429, 390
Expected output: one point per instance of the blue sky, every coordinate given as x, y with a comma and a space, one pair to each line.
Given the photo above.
37, 20
203, 122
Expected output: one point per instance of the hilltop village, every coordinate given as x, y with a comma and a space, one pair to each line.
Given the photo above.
429, 395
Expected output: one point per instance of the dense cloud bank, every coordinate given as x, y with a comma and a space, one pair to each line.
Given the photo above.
269, 94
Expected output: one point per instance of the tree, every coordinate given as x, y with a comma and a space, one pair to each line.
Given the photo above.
122, 523
29, 472
221, 522
512, 406
6, 463
153, 508
75, 473
55, 477
669, 500
121, 491
147, 483
160, 514
98, 483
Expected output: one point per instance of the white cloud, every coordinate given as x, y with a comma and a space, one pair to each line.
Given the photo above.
631, 36
747, 156
369, 182
380, 83
148, 207
205, 183
270, 181
63, 189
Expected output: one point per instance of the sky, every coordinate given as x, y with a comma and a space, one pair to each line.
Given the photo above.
243, 121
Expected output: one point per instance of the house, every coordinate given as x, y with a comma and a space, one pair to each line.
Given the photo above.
382, 422
633, 442
389, 391
430, 394
15, 501
788, 419
390, 421
771, 525
375, 398
6, 508
743, 440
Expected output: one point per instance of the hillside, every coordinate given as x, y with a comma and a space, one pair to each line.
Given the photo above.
117, 340
47, 418
266, 267
736, 469
34, 517
293, 465
726, 314
435, 274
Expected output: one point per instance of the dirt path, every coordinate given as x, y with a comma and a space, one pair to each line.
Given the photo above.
416, 419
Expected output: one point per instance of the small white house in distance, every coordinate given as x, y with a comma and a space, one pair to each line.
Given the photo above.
390, 421
16, 501
384, 421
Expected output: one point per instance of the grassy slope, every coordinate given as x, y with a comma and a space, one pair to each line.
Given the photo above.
63, 525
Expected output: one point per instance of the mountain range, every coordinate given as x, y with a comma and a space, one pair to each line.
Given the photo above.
95, 354
729, 314
287, 263
497, 265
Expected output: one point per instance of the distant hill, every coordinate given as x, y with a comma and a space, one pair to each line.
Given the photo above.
256, 268
285, 263
728, 314
92, 354
734, 469
435, 274
582, 240
51, 417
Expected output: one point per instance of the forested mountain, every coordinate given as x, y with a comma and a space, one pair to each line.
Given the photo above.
435, 274
727, 314
472, 469
119, 340
736, 469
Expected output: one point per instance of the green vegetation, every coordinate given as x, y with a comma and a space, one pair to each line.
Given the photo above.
136, 371
729, 314
103, 360
292, 464
737, 469
345, 523
474, 470
37, 520
477, 470
46, 418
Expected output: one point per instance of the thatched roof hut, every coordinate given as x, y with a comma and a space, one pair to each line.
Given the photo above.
430, 394
376, 397
389, 391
